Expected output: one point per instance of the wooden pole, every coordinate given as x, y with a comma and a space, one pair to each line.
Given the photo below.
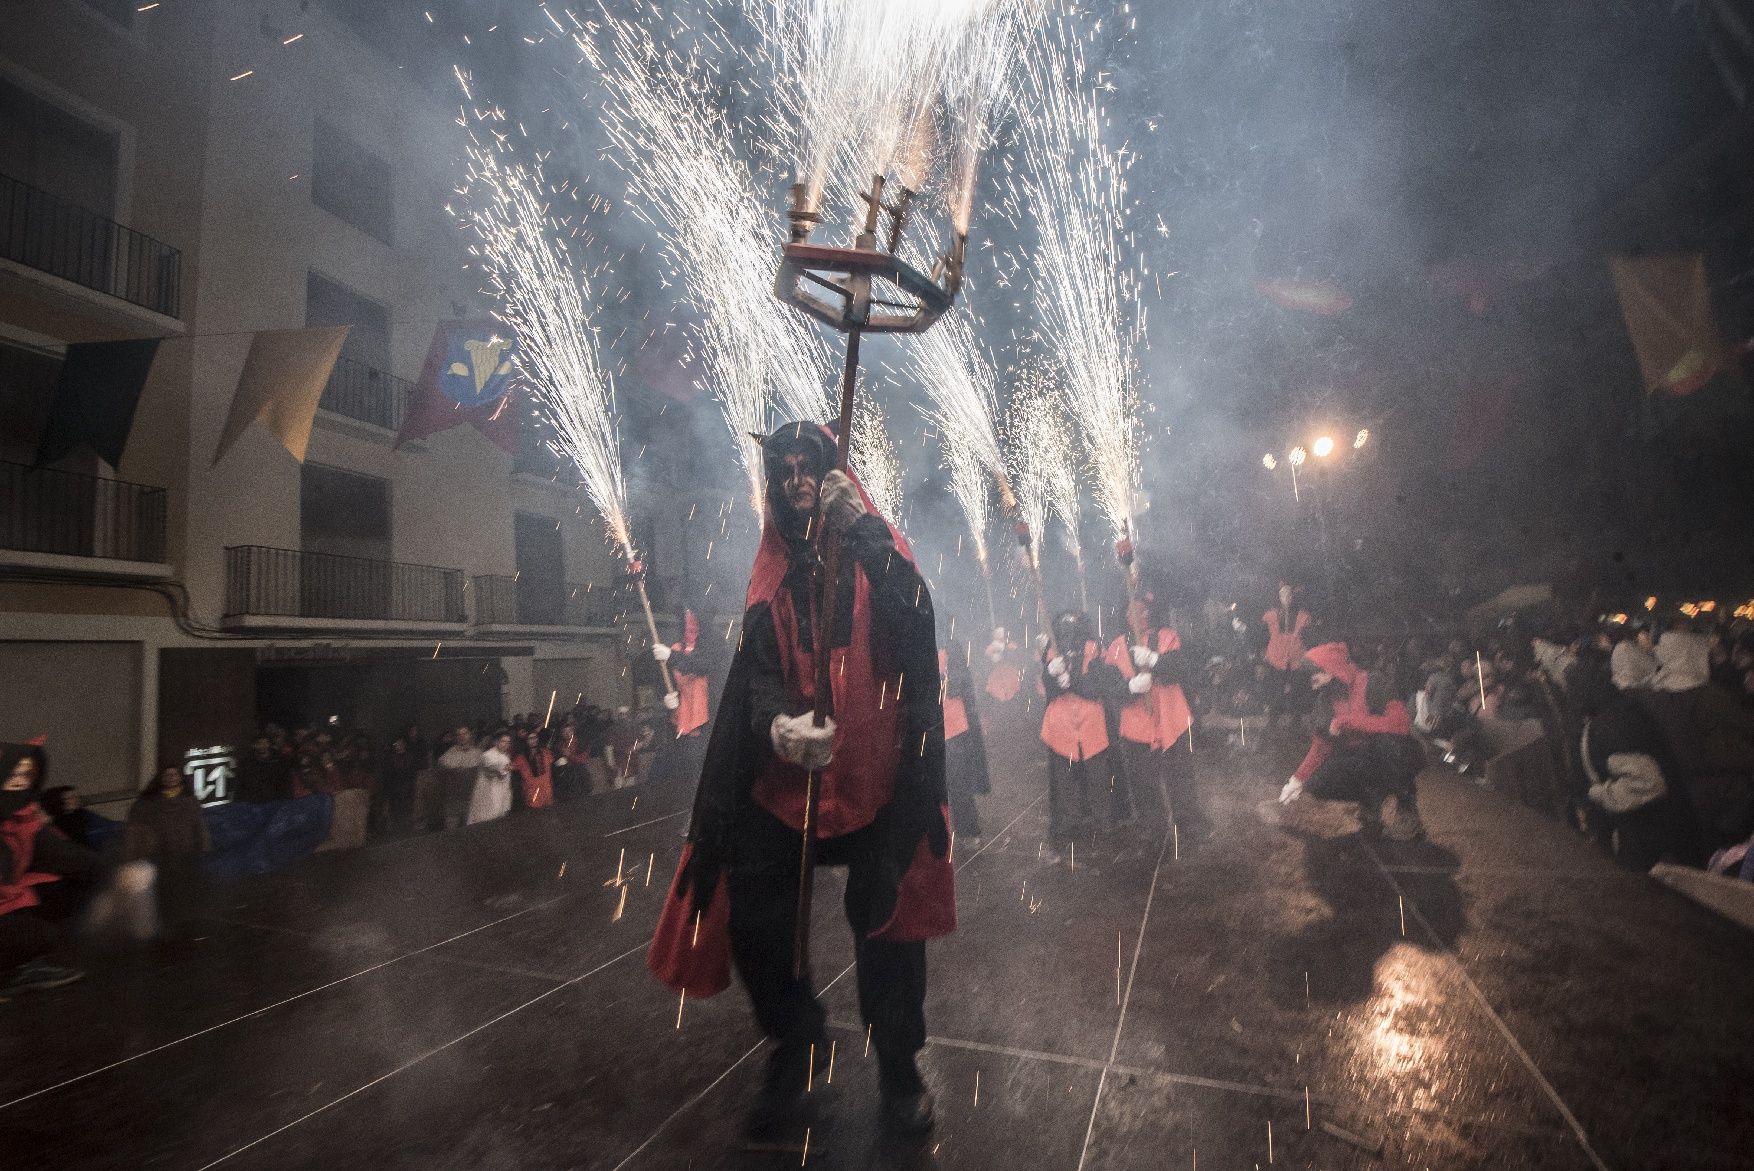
652, 626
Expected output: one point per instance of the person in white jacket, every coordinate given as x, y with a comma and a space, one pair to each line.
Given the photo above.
492, 797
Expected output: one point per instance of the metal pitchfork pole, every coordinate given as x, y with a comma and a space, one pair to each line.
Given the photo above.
849, 276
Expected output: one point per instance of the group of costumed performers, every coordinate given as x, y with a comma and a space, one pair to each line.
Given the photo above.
879, 761
1117, 726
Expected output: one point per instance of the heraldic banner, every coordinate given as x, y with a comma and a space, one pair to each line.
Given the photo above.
470, 377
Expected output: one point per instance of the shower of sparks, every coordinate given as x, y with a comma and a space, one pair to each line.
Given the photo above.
1041, 453
975, 87
1072, 188
718, 225
873, 457
959, 379
545, 296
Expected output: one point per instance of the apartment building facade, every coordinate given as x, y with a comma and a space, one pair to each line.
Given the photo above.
199, 172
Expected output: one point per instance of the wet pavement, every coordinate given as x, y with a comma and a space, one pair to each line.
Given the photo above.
1275, 992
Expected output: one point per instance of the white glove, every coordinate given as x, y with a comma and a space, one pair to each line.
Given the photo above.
1057, 668
841, 505
1140, 683
995, 651
1144, 658
672, 701
660, 652
1041, 643
797, 740
1292, 791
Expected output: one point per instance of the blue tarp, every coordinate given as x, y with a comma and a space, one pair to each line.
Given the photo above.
259, 838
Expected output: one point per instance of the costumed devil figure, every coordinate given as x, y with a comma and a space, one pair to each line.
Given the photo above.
880, 763
1087, 782
1284, 627
1362, 749
1154, 725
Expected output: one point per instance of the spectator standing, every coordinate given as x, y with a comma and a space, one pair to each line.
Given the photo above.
165, 827
458, 766
264, 775
396, 795
534, 767
67, 810
492, 795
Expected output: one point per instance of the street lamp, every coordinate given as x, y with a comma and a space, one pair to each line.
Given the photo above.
1363, 438
1323, 447
1268, 462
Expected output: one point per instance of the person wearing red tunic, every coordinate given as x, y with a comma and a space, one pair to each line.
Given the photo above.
1285, 625
965, 744
1087, 790
1363, 748
694, 663
880, 767
1154, 726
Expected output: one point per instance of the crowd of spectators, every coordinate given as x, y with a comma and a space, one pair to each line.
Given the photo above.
1637, 732
420, 781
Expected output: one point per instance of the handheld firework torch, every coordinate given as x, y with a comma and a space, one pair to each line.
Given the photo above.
849, 275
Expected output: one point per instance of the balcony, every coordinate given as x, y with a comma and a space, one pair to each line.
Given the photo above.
502, 600
368, 394
288, 588
53, 515
43, 232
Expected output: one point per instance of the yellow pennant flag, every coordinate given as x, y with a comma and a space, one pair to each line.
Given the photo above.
283, 378
1666, 301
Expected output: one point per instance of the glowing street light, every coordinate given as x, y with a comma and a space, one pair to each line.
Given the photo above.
1363, 438
1297, 456
1268, 462
1323, 447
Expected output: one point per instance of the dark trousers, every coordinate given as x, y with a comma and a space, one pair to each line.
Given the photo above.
1369, 769
962, 784
1085, 796
40, 930
764, 899
1163, 783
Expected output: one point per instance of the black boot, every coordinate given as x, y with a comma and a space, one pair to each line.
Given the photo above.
779, 1106
907, 1108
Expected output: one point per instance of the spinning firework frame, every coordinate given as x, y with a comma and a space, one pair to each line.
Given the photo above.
853, 278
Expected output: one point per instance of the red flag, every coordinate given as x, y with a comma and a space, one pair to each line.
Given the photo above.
470, 377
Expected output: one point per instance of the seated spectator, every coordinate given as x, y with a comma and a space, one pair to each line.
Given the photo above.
165, 827
45, 879
1634, 661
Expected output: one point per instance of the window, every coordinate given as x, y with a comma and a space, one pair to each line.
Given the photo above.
44, 146
329, 303
541, 570
350, 182
27, 384
344, 513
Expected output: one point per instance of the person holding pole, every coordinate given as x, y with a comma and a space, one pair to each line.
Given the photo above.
875, 769
1154, 725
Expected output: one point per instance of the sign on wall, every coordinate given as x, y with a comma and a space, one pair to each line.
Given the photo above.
210, 773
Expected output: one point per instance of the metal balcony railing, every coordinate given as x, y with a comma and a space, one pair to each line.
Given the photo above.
289, 583
503, 600
47, 233
366, 393
48, 511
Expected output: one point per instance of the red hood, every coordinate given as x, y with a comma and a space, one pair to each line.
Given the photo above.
1333, 658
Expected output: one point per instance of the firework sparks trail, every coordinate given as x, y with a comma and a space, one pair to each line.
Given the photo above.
1073, 188
959, 379
873, 457
1042, 456
975, 88
718, 227
545, 296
